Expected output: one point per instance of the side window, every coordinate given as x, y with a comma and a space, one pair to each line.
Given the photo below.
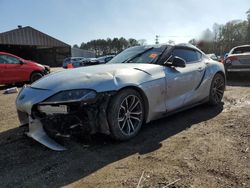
187, 54
2, 61
199, 55
10, 59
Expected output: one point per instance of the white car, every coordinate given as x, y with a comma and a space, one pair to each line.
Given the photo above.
238, 60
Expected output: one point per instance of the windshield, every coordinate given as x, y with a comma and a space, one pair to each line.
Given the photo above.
241, 50
139, 54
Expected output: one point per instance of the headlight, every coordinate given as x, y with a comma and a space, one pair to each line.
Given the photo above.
47, 69
72, 96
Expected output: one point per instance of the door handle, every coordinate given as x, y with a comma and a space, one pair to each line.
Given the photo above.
200, 69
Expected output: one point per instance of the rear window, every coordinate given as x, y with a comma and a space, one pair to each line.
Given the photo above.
241, 50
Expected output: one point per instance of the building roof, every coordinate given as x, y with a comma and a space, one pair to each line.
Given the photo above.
29, 36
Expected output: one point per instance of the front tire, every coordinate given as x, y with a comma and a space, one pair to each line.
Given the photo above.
35, 76
125, 114
217, 89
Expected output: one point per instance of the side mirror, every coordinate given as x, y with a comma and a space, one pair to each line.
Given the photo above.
21, 62
178, 62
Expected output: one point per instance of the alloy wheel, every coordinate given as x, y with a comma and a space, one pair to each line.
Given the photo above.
218, 88
130, 115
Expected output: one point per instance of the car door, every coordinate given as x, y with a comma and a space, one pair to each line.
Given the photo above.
12, 71
2, 70
181, 83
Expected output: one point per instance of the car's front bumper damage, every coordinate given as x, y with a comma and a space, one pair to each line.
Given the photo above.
37, 132
48, 121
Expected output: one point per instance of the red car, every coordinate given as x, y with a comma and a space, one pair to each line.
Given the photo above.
14, 69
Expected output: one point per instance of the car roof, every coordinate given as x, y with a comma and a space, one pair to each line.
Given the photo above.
184, 45
247, 45
154, 45
6, 53
241, 46
181, 45
187, 45
210, 54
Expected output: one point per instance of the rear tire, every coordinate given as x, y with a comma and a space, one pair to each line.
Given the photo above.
217, 89
35, 76
125, 114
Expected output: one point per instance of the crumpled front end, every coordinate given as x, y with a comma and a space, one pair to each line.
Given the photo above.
50, 119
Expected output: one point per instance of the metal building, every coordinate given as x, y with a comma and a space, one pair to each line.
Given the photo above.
32, 44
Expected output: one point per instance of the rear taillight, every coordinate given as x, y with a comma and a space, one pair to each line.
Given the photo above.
232, 58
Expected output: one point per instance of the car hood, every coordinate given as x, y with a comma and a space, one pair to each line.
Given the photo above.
105, 77
33, 63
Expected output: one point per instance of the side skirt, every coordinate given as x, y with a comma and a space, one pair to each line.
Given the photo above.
186, 107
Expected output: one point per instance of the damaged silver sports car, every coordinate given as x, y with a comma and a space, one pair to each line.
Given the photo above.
140, 84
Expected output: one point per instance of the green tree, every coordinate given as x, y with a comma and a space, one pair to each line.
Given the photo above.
108, 46
222, 38
132, 42
248, 27
75, 46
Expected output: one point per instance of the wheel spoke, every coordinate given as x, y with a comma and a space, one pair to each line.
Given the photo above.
135, 118
128, 126
121, 119
219, 94
131, 124
219, 86
133, 107
131, 102
123, 124
135, 113
217, 98
219, 91
126, 102
123, 107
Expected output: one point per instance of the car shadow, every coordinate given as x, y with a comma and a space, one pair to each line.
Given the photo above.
24, 162
238, 80
3, 87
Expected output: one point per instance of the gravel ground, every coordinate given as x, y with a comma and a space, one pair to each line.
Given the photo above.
202, 147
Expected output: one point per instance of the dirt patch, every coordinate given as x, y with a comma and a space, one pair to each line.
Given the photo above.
202, 147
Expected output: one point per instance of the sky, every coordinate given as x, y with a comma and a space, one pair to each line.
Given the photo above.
77, 21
